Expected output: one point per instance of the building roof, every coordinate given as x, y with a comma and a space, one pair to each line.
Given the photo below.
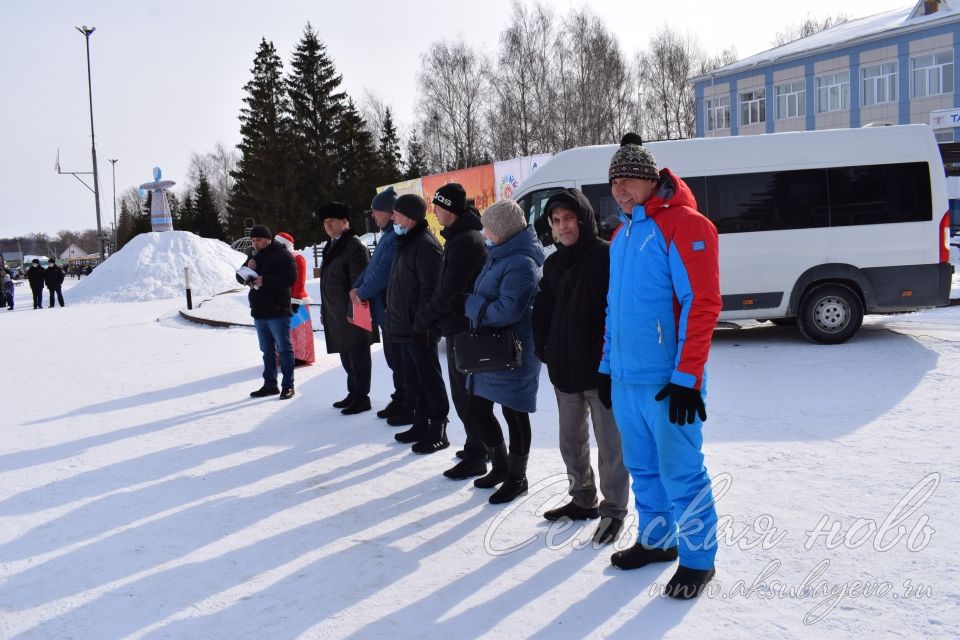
862, 30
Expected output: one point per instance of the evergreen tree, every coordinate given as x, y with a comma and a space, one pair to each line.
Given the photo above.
205, 214
416, 158
124, 225
141, 222
314, 109
357, 163
388, 153
264, 187
186, 214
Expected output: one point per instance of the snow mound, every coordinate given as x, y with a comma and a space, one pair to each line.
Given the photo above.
150, 267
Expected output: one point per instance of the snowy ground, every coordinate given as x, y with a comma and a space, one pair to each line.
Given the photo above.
144, 495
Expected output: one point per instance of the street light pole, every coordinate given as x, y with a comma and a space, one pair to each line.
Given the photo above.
87, 31
113, 162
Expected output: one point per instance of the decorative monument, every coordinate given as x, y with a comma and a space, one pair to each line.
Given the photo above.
160, 218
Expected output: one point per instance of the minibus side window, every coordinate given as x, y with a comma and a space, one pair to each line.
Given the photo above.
532, 205
880, 194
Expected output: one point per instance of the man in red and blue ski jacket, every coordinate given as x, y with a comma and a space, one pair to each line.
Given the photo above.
662, 306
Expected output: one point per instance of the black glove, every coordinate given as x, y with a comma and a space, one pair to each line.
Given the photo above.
685, 404
295, 307
603, 390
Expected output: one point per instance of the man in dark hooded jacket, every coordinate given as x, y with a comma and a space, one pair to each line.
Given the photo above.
463, 256
569, 315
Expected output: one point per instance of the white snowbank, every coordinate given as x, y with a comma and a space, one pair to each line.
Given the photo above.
150, 267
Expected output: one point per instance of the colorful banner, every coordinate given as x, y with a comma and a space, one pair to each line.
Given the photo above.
510, 174
476, 181
407, 186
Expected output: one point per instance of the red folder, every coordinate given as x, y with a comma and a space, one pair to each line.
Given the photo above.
361, 316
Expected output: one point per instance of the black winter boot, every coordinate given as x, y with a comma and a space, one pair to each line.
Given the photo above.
466, 469
414, 433
640, 556
390, 409
687, 583
434, 438
343, 404
516, 482
498, 456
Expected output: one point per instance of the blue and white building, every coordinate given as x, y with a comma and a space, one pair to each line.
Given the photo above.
898, 67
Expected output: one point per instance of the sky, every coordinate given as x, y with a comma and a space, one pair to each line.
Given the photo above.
168, 77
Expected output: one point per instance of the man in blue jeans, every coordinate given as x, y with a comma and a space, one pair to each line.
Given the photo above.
269, 298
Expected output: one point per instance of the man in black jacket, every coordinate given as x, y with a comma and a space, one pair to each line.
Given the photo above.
35, 276
463, 256
413, 279
53, 277
269, 299
344, 259
568, 328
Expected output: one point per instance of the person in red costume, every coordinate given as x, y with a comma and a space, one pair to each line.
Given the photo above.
301, 327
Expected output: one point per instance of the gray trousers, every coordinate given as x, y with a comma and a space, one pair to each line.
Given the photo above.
575, 450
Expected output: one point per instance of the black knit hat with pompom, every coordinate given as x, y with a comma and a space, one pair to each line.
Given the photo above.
632, 160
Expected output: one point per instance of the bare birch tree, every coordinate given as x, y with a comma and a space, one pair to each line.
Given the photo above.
453, 82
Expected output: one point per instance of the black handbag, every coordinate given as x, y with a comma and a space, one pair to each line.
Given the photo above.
486, 349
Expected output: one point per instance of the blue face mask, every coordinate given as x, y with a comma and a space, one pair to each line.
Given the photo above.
398, 229
488, 242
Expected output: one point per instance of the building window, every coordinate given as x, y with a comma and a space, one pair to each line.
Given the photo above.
791, 100
932, 74
753, 107
833, 92
943, 135
879, 84
718, 113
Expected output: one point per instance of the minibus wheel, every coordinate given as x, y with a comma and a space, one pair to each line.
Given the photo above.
830, 313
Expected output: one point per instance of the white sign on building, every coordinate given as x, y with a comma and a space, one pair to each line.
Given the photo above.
945, 118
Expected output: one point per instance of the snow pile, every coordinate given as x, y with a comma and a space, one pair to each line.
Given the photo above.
150, 267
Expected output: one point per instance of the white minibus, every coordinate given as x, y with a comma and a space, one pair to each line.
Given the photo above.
816, 227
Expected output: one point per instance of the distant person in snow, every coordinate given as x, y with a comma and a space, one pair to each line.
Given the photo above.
344, 259
301, 326
53, 277
7, 290
35, 275
662, 307
269, 299
569, 315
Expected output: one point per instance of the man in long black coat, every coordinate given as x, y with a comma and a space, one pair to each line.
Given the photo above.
413, 279
463, 256
35, 275
344, 259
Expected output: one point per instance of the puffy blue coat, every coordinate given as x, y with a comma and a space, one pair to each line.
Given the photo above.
372, 283
509, 280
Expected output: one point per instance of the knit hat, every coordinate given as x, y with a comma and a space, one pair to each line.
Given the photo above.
504, 219
336, 210
285, 239
451, 197
632, 160
260, 231
384, 200
412, 206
